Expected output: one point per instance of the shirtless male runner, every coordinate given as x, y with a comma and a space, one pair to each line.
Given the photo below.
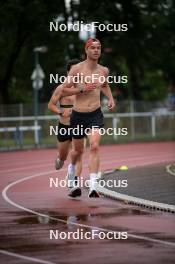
87, 110
64, 140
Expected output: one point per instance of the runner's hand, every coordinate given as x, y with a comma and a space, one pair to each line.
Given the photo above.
66, 112
111, 104
60, 112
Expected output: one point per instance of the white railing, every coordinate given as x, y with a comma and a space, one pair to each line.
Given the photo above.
116, 117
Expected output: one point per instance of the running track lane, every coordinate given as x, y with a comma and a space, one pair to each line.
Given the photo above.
36, 195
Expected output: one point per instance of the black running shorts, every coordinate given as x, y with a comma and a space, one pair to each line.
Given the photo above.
64, 132
85, 120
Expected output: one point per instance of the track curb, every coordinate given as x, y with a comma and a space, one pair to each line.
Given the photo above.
135, 200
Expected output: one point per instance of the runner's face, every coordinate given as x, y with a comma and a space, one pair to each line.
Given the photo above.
94, 51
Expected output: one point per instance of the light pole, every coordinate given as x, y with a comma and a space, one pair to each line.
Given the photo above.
37, 83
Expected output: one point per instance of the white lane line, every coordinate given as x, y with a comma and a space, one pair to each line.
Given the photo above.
7, 199
27, 167
27, 161
43, 165
168, 169
8, 253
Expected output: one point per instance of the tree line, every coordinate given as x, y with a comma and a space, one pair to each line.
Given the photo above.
145, 52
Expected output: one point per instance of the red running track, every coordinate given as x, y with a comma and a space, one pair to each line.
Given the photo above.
30, 209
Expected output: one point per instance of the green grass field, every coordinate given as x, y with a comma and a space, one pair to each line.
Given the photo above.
51, 141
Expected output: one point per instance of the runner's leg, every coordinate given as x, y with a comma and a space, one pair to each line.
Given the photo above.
76, 153
63, 150
94, 161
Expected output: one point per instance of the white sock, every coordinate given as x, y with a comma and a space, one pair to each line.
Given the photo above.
93, 180
71, 168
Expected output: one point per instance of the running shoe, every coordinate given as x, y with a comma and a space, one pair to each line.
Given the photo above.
58, 164
75, 192
93, 194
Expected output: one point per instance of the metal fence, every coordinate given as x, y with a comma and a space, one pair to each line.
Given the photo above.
20, 129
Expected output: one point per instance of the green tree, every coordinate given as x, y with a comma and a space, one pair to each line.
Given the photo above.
145, 52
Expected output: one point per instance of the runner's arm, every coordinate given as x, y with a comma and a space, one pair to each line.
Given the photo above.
68, 88
106, 90
58, 94
55, 98
70, 91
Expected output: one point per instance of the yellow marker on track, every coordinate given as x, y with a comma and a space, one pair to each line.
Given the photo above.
123, 167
